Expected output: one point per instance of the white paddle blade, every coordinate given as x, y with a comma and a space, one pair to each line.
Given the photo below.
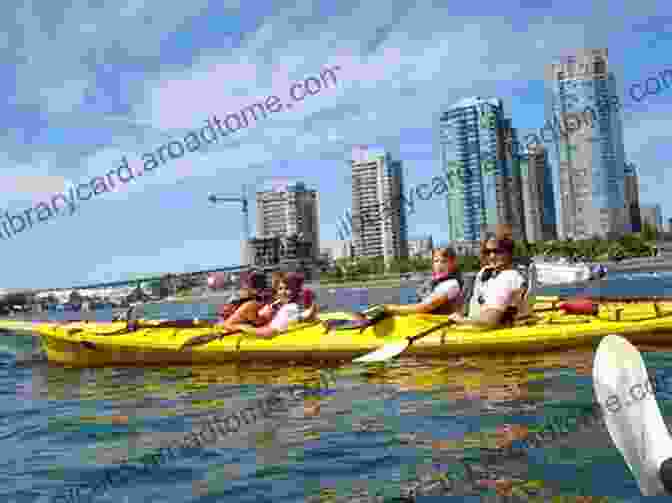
385, 353
630, 411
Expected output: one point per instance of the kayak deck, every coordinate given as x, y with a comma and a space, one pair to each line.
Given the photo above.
85, 344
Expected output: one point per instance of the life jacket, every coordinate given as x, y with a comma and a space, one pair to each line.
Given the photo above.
429, 286
308, 298
225, 311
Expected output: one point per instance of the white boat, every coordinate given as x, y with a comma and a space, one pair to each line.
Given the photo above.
562, 272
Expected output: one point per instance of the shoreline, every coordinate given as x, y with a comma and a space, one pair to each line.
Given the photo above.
339, 296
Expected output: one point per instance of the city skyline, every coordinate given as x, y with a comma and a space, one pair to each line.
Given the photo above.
76, 120
523, 182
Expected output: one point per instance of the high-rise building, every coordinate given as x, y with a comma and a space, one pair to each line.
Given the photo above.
336, 249
344, 225
420, 247
472, 139
377, 188
511, 208
589, 179
537, 190
288, 211
632, 197
652, 215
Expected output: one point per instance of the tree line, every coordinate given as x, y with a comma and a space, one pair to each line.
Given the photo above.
594, 249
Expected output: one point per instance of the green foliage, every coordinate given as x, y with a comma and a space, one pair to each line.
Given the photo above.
649, 232
593, 249
469, 263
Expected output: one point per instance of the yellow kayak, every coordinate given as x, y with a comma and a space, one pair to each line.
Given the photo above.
90, 344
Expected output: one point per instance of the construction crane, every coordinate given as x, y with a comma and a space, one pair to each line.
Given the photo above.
214, 198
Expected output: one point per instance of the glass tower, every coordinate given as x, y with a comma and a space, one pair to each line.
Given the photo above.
468, 144
590, 159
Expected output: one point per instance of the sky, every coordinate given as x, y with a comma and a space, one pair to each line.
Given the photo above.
89, 84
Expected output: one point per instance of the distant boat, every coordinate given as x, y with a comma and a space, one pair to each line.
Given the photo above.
562, 272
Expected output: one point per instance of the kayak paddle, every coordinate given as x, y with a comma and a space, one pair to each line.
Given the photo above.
632, 417
389, 351
205, 339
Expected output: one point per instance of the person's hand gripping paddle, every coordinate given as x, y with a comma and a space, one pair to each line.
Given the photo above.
627, 399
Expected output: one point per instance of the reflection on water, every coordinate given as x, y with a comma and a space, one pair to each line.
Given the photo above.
384, 427
409, 411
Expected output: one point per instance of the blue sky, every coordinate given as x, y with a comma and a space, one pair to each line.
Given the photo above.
88, 84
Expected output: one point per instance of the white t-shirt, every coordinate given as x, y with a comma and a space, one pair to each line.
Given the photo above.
285, 315
499, 290
450, 287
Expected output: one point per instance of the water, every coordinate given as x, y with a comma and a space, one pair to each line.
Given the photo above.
380, 430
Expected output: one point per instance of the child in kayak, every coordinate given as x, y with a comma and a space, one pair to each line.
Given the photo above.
443, 294
503, 294
305, 299
285, 309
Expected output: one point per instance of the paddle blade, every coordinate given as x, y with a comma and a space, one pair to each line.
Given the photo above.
385, 353
631, 412
200, 339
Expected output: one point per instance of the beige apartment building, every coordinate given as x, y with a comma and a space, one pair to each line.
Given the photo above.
379, 219
292, 210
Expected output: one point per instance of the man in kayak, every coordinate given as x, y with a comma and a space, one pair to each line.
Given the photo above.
283, 311
443, 294
503, 295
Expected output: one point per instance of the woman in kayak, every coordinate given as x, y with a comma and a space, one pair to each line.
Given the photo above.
245, 308
482, 277
503, 294
285, 309
444, 293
